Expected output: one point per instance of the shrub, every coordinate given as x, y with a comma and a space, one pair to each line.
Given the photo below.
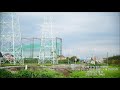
63, 61
38, 74
24, 74
30, 60
47, 74
5, 74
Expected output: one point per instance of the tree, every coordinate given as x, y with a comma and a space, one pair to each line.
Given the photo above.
113, 60
1, 54
73, 58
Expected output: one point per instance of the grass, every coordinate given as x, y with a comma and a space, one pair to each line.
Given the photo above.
5, 74
113, 71
46, 73
110, 72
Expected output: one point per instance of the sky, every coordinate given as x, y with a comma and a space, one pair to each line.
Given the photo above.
84, 34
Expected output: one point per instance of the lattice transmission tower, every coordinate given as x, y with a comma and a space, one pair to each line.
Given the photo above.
10, 36
49, 48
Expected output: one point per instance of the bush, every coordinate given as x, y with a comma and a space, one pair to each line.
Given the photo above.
113, 60
38, 74
24, 74
6, 74
47, 74
30, 60
63, 61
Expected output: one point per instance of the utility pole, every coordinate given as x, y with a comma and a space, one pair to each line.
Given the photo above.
75, 60
107, 58
68, 60
32, 47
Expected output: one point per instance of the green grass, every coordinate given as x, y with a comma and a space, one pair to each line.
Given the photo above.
8, 64
5, 74
45, 73
77, 74
30, 60
110, 72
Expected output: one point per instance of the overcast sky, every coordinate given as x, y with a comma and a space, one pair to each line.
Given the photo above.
84, 33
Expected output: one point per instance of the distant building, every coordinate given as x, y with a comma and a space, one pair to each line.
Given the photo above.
100, 60
61, 57
9, 57
92, 62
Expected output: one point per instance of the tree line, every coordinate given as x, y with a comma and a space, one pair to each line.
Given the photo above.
113, 60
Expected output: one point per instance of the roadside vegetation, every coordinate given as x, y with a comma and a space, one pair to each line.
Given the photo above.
111, 71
